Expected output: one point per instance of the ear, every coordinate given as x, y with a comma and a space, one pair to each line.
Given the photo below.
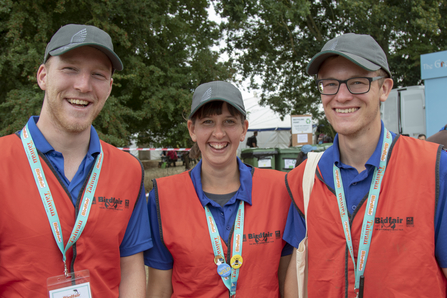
110, 88
386, 89
244, 132
191, 129
42, 73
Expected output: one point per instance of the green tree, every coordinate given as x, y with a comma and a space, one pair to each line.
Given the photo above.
274, 41
164, 45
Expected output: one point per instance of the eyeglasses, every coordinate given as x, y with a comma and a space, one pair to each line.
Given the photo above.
355, 85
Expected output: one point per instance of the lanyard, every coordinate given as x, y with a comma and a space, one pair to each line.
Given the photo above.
223, 269
370, 211
47, 198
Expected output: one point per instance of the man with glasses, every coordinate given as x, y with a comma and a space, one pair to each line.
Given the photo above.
377, 211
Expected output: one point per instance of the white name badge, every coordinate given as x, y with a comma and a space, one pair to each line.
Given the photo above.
75, 285
76, 291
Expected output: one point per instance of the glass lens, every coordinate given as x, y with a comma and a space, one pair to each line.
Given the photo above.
358, 85
328, 86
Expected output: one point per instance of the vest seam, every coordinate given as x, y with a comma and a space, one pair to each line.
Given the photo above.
141, 184
437, 179
157, 203
78, 202
322, 180
347, 271
291, 196
390, 151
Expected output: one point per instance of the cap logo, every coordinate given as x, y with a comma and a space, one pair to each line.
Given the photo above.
333, 46
79, 36
207, 94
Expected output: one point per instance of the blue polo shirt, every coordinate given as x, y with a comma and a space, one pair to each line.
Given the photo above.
138, 236
356, 187
159, 256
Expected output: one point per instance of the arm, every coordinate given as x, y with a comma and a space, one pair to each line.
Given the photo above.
159, 285
133, 276
445, 271
291, 284
283, 266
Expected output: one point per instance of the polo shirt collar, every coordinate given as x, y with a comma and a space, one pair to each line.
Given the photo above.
243, 193
374, 159
43, 146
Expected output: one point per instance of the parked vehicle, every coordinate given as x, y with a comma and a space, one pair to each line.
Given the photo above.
404, 111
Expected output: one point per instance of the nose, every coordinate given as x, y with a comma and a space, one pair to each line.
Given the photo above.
219, 131
343, 93
83, 82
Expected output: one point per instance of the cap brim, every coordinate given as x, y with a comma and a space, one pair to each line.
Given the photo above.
315, 64
217, 99
116, 61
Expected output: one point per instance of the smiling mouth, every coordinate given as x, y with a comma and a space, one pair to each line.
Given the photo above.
78, 102
219, 146
346, 111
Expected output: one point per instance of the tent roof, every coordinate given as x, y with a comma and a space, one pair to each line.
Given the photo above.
263, 118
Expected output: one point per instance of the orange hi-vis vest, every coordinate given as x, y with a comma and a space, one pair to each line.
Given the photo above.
29, 254
185, 233
401, 260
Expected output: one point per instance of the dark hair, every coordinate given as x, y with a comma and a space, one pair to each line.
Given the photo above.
300, 158
215, 108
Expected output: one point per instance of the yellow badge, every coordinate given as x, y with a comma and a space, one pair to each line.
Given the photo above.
236, 261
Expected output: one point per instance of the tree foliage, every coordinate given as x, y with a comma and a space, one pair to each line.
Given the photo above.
164, 46
272, 41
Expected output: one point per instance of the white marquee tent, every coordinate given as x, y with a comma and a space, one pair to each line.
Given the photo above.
272, 131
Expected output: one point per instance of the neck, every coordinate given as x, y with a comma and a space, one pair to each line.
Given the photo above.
220, 180
72, 145
356, 150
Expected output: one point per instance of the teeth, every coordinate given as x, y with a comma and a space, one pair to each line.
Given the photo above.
346, 111
218, 146
78, 102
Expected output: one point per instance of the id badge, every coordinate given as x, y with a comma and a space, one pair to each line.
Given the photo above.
76, 285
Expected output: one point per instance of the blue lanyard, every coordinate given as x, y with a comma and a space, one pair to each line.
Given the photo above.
370, 210
223, 269
47, 198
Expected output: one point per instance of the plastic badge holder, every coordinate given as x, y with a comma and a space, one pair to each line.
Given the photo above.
76, 285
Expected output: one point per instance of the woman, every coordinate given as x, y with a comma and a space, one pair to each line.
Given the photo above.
218, 228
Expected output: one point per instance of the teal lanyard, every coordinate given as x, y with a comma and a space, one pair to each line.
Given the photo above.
224, 269
370, 210
47, 198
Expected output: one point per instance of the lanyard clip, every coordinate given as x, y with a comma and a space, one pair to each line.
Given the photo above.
66, 271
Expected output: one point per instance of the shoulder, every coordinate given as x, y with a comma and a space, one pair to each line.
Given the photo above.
268, 174
117, 153
420, 147
10, 145
121, 159
174, 179
9, 138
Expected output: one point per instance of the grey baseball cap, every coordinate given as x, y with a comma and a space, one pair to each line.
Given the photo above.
72, 36
217, 90
360, 49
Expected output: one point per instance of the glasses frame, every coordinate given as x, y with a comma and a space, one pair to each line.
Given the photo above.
346, 83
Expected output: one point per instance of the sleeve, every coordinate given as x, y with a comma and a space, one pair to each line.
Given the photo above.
158, 256
295, 229
441, 215
287, 250
138, 235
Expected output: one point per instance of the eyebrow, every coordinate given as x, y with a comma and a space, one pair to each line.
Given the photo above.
99, 65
